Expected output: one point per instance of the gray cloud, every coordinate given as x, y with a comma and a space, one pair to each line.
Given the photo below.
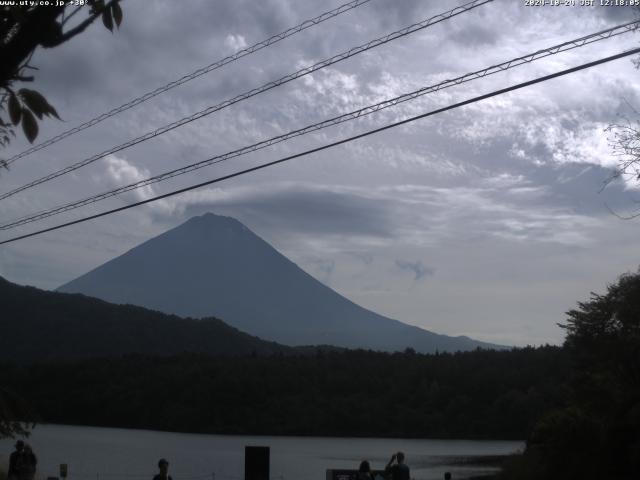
322, 268
419, 270
618, 13
309, 210
475, 35
365, 257
394, 13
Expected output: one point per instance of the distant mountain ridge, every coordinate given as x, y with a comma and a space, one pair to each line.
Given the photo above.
215, 266
41, 326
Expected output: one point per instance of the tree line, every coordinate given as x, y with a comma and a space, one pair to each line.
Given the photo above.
479, 394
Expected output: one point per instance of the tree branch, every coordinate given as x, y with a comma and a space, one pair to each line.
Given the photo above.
39, 28
70, 16
31, 33
82, 26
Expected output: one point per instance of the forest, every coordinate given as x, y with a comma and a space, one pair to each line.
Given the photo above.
481, 394
577, 406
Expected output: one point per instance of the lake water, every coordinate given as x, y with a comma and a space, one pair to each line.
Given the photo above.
120, 454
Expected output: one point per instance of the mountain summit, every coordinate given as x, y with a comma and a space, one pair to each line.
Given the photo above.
215, 266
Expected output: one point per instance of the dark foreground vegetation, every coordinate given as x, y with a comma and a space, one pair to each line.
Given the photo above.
596, 434
482, 394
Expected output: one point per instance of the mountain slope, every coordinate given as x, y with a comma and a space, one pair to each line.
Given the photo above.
37, 326
215, 266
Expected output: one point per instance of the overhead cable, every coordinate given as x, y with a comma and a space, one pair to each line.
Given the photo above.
330, 145
565, 46
195, 74
268, 86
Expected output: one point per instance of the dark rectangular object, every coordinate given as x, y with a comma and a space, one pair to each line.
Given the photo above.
256, 463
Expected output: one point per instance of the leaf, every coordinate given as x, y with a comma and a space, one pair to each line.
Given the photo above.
29, 125
107, 20
52, 111
35, 101
15, 110
117, 13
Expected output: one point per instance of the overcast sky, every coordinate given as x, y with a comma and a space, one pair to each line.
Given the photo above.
486, 221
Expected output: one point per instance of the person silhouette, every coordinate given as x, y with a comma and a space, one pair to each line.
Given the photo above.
397, 468
163, 465
364, 471
16, 460
29, 462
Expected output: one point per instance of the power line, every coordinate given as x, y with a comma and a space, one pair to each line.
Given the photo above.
268, 86
333, 144
197, 73
565, 46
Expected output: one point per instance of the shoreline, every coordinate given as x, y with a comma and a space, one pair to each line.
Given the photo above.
283, 435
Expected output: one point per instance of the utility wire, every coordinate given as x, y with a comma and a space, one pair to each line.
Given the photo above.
565, 46
330, 145
268, 86
197, 73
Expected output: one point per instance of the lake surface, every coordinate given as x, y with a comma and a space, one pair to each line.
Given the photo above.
119, 454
